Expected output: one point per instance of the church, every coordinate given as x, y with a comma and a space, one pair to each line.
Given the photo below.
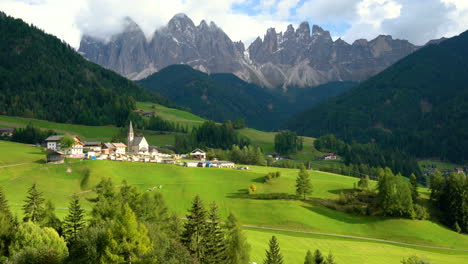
136, 144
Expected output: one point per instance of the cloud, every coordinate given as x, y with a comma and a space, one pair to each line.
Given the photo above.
415, 20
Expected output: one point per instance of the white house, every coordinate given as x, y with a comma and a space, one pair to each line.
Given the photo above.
76, 150
191, 163
53, 142
92, 146
119, 148
330, 156
198, 154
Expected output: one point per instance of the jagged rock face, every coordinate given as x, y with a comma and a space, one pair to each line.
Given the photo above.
293, 58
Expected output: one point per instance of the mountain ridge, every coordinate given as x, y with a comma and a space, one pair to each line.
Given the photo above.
298, 57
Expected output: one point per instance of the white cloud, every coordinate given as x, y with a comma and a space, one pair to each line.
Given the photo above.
415, 20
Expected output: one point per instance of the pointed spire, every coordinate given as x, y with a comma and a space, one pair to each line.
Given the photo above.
130, 136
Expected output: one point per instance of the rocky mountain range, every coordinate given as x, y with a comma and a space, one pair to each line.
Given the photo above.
294, 58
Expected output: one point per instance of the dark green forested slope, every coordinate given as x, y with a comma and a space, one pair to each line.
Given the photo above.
419, 105
223, 97
42, 77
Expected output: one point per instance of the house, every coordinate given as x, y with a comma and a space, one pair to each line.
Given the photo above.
119, 148
198, 154
6, 132
108, 148
92, 146
223, 164
55, 157
76, 150
191, 163
459, 170
329, 156
136, 144
147, 114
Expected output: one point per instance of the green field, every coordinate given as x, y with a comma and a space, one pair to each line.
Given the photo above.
226, 187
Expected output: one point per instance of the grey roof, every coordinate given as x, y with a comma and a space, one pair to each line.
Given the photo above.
54, 138
137, 140
6, 129
92, 143
109, 145
197, 150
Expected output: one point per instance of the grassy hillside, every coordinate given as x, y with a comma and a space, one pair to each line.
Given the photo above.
225, 186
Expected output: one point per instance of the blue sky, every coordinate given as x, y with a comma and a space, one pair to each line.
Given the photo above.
415, 20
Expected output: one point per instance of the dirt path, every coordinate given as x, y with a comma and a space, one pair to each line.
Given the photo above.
13, 165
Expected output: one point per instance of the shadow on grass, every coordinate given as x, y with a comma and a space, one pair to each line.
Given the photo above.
348, 218
339, 191
41, 161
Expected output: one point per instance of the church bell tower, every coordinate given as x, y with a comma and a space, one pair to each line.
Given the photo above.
130, 138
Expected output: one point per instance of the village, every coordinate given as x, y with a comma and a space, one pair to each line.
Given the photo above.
136, 150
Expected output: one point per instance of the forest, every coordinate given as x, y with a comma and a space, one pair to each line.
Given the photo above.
42, 77
417, 106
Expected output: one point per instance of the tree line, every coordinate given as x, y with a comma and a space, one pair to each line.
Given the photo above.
287, 142
210, 135
371, 155
31, 134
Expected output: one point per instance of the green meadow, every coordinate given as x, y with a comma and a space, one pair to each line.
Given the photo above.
227, 187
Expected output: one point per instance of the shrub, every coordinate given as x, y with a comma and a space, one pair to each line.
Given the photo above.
421, 212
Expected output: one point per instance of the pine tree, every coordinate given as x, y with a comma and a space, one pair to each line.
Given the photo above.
128, 239
330, 259
273, 255
318, 258
74, 222
50, 219
34, 207
195, 230
237, 248
214, 239
303, 184
309, 258
6, 224
414, 187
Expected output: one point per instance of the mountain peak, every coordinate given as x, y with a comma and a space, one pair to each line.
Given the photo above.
180, 22
129, 25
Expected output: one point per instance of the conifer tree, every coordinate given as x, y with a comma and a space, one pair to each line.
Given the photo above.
237, 248
74, 222
303, 184
309, 258
330, 259
128, 239
318, 257
34, 207
6, 224
195, 230
50, 219
273, 254
106, 202
215, 251
414, 187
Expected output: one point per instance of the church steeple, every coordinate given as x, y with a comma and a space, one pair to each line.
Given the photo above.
131, 136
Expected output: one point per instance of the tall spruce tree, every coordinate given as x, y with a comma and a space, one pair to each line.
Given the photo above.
74, 222
195, 230
330, 259
34, 205
6, 225
273, 254
414, 187
50, 219
318, 257
237, 248
303, 184
128, 239
215, 251
309, 258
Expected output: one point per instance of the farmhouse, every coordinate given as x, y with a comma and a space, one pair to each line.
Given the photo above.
55, 157
191, 163
221, 164
136, 144
53, 143
6, 132
108, 148
119, 148
329, 156
198, 154
92, 146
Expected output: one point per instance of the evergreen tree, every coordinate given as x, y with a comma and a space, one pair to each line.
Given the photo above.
330, 259
273, 254
414, 187
303, 184
215, 251
195, 230
318, 257
128, 239
6, 225
105, 203
237, 248
436, 185
50, 219
309, 258
34, 207
74, 222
